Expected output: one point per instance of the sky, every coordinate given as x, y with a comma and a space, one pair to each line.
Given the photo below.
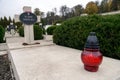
12, 7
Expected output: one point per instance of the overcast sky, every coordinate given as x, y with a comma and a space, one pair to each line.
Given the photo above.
12, 7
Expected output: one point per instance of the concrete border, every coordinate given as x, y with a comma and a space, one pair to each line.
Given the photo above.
12, 67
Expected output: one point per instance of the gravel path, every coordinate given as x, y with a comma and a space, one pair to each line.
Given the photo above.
3, 46
5, 73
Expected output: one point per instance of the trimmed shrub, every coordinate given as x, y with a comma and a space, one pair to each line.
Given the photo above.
21, 31
74, 32
37, 32
2, 34
18, 24
44, 31
51, 29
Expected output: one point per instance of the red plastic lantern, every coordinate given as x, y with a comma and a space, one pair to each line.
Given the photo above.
91, 56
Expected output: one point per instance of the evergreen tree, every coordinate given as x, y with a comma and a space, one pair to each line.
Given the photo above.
10, 20
5, 22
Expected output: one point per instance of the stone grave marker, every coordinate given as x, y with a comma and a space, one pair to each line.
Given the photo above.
28, 19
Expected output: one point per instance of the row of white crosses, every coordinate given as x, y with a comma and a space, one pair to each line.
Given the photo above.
11, 30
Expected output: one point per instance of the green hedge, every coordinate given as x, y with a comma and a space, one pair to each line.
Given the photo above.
44, 31
73, 33
21, 31
18, 24
51, 29
2, 34
38, 33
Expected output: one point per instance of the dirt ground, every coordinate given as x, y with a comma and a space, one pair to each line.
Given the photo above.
5, 73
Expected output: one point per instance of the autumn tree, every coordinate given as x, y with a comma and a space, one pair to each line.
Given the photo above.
50, 17
104, 6
109, 5
115, 5
98, 5
54, 10
91, 8
37, 11
118, 4
64, 10
42, 14
78, 9
71, 13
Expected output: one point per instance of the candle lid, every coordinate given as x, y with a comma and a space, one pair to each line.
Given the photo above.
92, 41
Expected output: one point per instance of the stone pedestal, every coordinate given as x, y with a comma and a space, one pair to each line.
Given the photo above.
29, 34
38, 19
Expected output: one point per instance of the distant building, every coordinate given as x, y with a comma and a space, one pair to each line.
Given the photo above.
16, 17
58, 24
110, 13
84, 14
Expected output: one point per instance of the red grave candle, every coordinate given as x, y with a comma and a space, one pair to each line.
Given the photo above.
91, 56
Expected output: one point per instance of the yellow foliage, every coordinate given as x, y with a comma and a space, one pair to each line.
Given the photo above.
109, 5
91, 8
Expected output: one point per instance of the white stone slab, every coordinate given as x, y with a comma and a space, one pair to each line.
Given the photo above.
58, 63
20, 46
3, 52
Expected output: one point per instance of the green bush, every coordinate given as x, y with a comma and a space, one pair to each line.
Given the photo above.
18, 24
2, 34
37, 32
51, 29
73, 33
44, 31
21, 31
